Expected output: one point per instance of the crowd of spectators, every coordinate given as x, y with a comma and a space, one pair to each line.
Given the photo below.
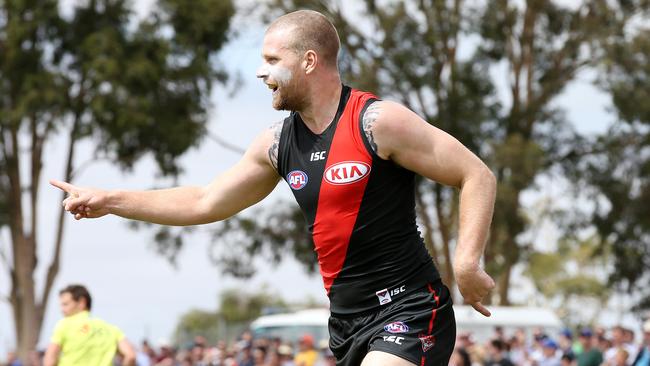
617, 346
246, 351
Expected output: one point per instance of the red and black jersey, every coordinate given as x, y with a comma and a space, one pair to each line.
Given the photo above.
359, 207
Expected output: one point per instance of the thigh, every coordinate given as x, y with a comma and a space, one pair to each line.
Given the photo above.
379, 358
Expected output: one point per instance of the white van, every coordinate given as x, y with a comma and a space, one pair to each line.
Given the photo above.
510, 318
291, 326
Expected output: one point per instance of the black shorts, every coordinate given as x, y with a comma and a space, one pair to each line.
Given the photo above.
420, 328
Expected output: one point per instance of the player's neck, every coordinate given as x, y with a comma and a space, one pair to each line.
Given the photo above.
324, 103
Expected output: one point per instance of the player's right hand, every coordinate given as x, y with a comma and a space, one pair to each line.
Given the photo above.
474, 284
82, 203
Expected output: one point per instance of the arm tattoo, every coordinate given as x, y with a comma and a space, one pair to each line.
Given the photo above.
369, 118
275, 146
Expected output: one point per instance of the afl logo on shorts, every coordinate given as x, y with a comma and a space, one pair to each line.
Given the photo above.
297, 180
346, 172
396, 327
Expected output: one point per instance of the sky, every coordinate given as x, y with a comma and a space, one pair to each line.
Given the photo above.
139, 291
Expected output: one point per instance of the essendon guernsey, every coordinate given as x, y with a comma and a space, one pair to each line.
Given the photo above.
359, 207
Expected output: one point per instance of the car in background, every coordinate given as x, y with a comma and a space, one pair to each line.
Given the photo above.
290, 327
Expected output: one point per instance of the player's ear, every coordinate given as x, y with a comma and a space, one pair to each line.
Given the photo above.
310, 61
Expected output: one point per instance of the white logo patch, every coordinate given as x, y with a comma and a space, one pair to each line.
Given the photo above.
384, 296
346, 172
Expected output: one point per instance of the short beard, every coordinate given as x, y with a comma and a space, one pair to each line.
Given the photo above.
291, 102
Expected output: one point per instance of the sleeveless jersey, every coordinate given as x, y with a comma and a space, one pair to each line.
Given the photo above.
360, 209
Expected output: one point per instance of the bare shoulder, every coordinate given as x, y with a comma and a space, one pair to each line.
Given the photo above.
273, 137
368, 122
263, 151
383, 122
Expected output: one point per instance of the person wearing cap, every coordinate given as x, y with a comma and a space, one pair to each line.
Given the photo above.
307, 355
550, 355
565, 343
643, 357
590, 356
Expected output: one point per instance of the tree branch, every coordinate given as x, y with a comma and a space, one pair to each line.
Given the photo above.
53, 268
427, 222
4, 257
83, 166
36, 168
228, 146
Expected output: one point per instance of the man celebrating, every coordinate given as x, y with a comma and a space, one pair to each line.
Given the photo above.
350, 160
82, 340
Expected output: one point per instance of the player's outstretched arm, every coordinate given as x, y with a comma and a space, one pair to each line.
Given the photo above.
398, 134
241, 186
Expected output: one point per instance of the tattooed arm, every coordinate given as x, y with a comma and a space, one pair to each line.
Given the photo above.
246, 183
369, 118
402, 136
274, 149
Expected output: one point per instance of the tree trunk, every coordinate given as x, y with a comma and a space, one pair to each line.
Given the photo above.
421, 207
26, 310
504, 286
22, 296
445, 223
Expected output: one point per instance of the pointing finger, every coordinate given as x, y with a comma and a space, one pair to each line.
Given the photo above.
64, 186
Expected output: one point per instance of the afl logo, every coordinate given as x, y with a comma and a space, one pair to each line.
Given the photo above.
297, 180
346, 172
396, 327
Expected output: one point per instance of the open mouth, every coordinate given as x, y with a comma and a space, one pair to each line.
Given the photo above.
273, 87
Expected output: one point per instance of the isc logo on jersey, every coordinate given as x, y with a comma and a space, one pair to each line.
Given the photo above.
297, 180
346, 172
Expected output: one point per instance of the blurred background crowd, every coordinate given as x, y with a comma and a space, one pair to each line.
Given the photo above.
616, 346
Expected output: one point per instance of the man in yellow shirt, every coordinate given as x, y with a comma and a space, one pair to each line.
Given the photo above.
307, 355
81, 340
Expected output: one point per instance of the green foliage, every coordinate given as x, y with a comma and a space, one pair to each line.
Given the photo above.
629, 78
236, 310
573, 273
197, 322
239, 306
147, 91
268, 235
617, 169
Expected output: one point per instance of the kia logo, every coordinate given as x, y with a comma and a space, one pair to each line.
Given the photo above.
346, 172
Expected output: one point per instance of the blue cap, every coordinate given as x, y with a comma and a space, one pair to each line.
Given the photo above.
586, 332
549, 343
567, 333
